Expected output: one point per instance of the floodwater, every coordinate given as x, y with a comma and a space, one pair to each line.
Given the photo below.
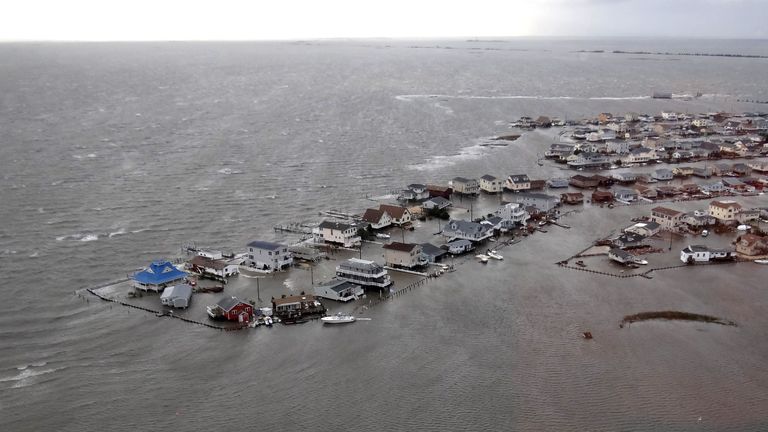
112, 155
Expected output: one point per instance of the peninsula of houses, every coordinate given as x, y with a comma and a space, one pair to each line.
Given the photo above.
630, 160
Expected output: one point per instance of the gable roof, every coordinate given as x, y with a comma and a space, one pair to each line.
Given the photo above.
294, 299
159, 272
228, 303
373, 215
726, 204
667, 211
206, 262
432, 250
396, 212
519, 178
488, 177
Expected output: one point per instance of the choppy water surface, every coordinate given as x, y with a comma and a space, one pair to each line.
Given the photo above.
114, 154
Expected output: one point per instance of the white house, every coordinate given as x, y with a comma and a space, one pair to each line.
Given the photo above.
338, 232
219, 268
639, 155
724, 210
512, 214
662, 174
491, 184
268, 256
518, 182
436, 203
457, 247
378, 219
698, 253
646, 229
339, 290
541, 201
400, 215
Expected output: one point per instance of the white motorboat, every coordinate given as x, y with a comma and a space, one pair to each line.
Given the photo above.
743, 227
641, 262
493, 254
339, 318
268, 321
761, 261
483, 258
382, 236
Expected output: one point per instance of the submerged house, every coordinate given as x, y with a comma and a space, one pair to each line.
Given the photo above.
339, 290
341, 233
541, 201
231, 309
400, 215
698, 253
465, 186
268, 256
297, 306
437, 203
466, 230
405, 255
176, 296
518, 182
377, 218
432, 253
572, 198
364, 273
512, 214
157, 276
458, 247
491, 184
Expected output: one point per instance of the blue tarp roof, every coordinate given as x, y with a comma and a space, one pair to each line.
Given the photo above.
159, 272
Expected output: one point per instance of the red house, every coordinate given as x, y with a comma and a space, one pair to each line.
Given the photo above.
232, 309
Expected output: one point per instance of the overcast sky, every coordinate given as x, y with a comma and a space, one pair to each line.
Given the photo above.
299, 19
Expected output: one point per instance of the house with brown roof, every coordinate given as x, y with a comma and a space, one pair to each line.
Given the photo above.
399, 215
377, 218
667, 218
752, 244
572, 198
405, 255
439, 191
602, 197
583, 182
724, 210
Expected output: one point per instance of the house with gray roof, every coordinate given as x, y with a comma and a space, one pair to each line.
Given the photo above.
466, 230
268, 256
541, 201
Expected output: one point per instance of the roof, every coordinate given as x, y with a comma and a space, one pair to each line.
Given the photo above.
265, 245
519, 178
334, 225
602, 193
159, 272
438, 188
360, 264
430, 249
462, 226
751, 239
667, 211
726, 204
488, 177
228, 303
416, 186
534, 195
630, 237
696, 248
462, 180
402, 247
373, 215
621, 253
396, 212
461, 242
293, 299
177, 291
206, 262
336, 285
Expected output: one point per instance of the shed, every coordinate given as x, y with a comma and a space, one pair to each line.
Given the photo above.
177, 296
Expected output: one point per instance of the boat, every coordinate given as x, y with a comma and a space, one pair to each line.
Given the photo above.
761, 261
641, 262
704, 233
339, 318
483, 258
382, 236
493, 254
268, 321
743, 227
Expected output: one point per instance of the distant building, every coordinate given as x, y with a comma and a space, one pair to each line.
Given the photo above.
297, 306
629, 239
512, 214
646, 229
599, 196
438, 203
232, 309
662, 174
625, 195
751, 245
432, 253
557, 182
584, 182
572, 198
214, 268
621, 256
363, 272
458, 247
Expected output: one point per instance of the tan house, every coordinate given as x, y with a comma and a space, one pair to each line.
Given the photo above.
399, 215
724, 210
667, 218
491, 184
465, 186
406, 255
751, 245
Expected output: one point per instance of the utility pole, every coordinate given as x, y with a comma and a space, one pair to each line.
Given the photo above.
258, 290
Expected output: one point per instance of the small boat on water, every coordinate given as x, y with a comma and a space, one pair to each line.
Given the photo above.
493, 254
339, 318
761, 261
483, 258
